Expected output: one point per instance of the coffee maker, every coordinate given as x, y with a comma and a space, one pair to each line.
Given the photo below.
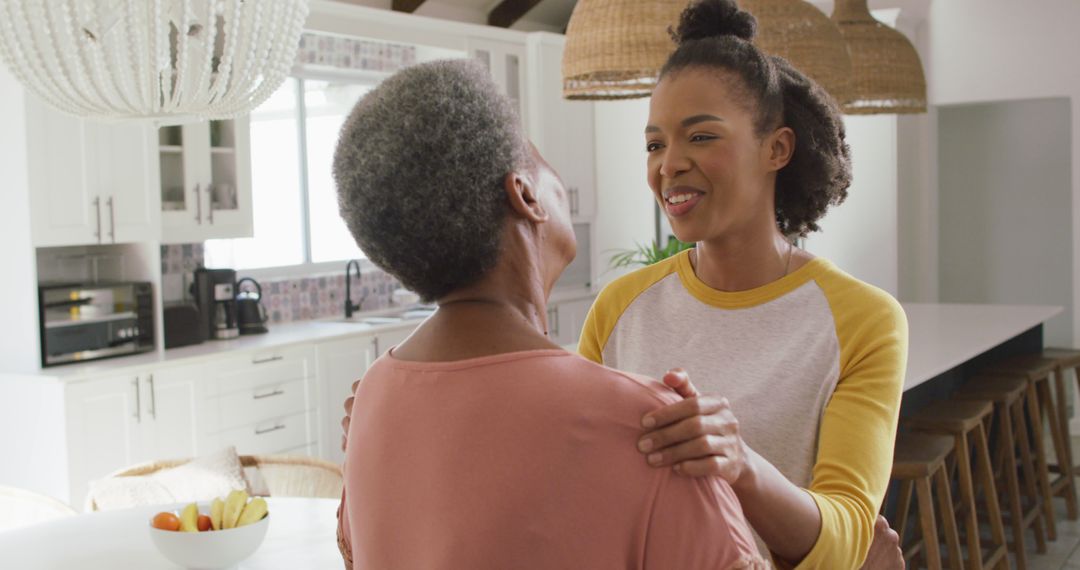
215, 292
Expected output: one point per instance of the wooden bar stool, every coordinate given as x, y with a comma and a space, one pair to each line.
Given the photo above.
1009, 396
1038, 372
919, 464
964, 422
1067, 359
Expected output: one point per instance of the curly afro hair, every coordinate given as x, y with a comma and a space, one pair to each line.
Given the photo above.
716, 34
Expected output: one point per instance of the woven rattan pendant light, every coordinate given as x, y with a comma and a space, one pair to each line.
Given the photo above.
887, 75
615, 48
800, 33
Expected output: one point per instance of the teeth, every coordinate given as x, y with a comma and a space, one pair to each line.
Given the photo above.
680, 198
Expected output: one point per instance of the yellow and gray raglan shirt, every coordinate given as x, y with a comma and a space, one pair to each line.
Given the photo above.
813, 365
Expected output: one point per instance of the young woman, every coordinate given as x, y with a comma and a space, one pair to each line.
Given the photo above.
744, 154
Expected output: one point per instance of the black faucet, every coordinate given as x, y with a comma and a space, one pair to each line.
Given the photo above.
349, 306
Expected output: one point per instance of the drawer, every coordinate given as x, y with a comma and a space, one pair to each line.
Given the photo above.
242, 374
271, 436
260, 402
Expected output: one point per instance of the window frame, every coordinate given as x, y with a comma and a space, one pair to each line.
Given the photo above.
308, 268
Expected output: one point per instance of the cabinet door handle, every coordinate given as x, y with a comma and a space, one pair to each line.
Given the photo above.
210, 203
265, 360
198, 205
138, 401
97, 209
112, 219
555, 311
268, 430
267, 395
153, 398
573, 201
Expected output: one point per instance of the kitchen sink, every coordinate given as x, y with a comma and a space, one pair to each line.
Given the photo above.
386, 317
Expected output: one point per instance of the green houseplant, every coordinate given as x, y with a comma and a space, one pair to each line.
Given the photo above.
648, 254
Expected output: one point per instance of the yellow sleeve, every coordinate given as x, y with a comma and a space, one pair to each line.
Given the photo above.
594, 334
613, 301
858, 429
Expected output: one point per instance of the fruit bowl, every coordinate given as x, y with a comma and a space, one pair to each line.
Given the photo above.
213, 550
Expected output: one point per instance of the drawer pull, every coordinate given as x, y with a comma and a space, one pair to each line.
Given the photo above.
268, 430
265, 360
268, 394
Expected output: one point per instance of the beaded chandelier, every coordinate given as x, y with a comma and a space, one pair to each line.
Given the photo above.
151, 59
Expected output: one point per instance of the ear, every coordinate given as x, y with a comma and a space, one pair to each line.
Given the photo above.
781, 147
521, 194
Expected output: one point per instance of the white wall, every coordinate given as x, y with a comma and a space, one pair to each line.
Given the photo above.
995, 50
860, 235
18, 351
1005, 198
624, 213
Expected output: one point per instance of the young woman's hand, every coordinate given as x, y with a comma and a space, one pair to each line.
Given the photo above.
698, 436
885, 553
348, 416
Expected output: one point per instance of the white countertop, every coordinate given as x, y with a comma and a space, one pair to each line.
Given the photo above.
943, 336
280, 335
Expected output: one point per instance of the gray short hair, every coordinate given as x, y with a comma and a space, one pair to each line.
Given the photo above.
419, 168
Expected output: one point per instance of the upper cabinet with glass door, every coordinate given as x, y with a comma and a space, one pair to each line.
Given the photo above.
506, 62
205, 181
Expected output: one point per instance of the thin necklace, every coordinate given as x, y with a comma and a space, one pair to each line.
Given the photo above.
790, 248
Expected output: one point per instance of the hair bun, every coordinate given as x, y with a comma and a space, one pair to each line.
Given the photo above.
714, 18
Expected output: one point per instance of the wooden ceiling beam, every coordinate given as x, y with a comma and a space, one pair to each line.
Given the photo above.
408, 6
509, 11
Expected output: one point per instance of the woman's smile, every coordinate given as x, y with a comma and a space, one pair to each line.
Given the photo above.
678, 201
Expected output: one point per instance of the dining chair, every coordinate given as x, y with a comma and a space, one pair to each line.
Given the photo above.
267, 475
19, 507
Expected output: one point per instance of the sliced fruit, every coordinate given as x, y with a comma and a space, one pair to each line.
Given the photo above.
189, 518
166, 521
203, 523
234, 505
253, 512
217, 509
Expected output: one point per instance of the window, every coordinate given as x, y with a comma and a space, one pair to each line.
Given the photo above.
293, 136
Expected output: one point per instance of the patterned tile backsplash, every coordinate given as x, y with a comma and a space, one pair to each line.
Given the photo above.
286, 300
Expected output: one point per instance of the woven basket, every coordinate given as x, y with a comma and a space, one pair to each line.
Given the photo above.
887, 75
800, 33
615, 48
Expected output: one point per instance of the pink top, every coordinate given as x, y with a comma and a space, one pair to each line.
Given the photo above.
523, 460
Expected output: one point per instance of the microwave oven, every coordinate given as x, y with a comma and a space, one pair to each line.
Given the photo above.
82, 322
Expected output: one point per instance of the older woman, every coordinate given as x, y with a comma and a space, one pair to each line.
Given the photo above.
478, 443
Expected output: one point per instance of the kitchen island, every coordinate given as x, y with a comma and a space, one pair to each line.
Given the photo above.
951, 342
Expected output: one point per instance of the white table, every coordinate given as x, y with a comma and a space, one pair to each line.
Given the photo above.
302, 534
943, 336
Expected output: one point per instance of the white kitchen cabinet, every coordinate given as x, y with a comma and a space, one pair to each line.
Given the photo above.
264, 403
506, 62
565, 319
562, 130
115, 422
205, 181
89, 180
172, 400
104, 429
342, 362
